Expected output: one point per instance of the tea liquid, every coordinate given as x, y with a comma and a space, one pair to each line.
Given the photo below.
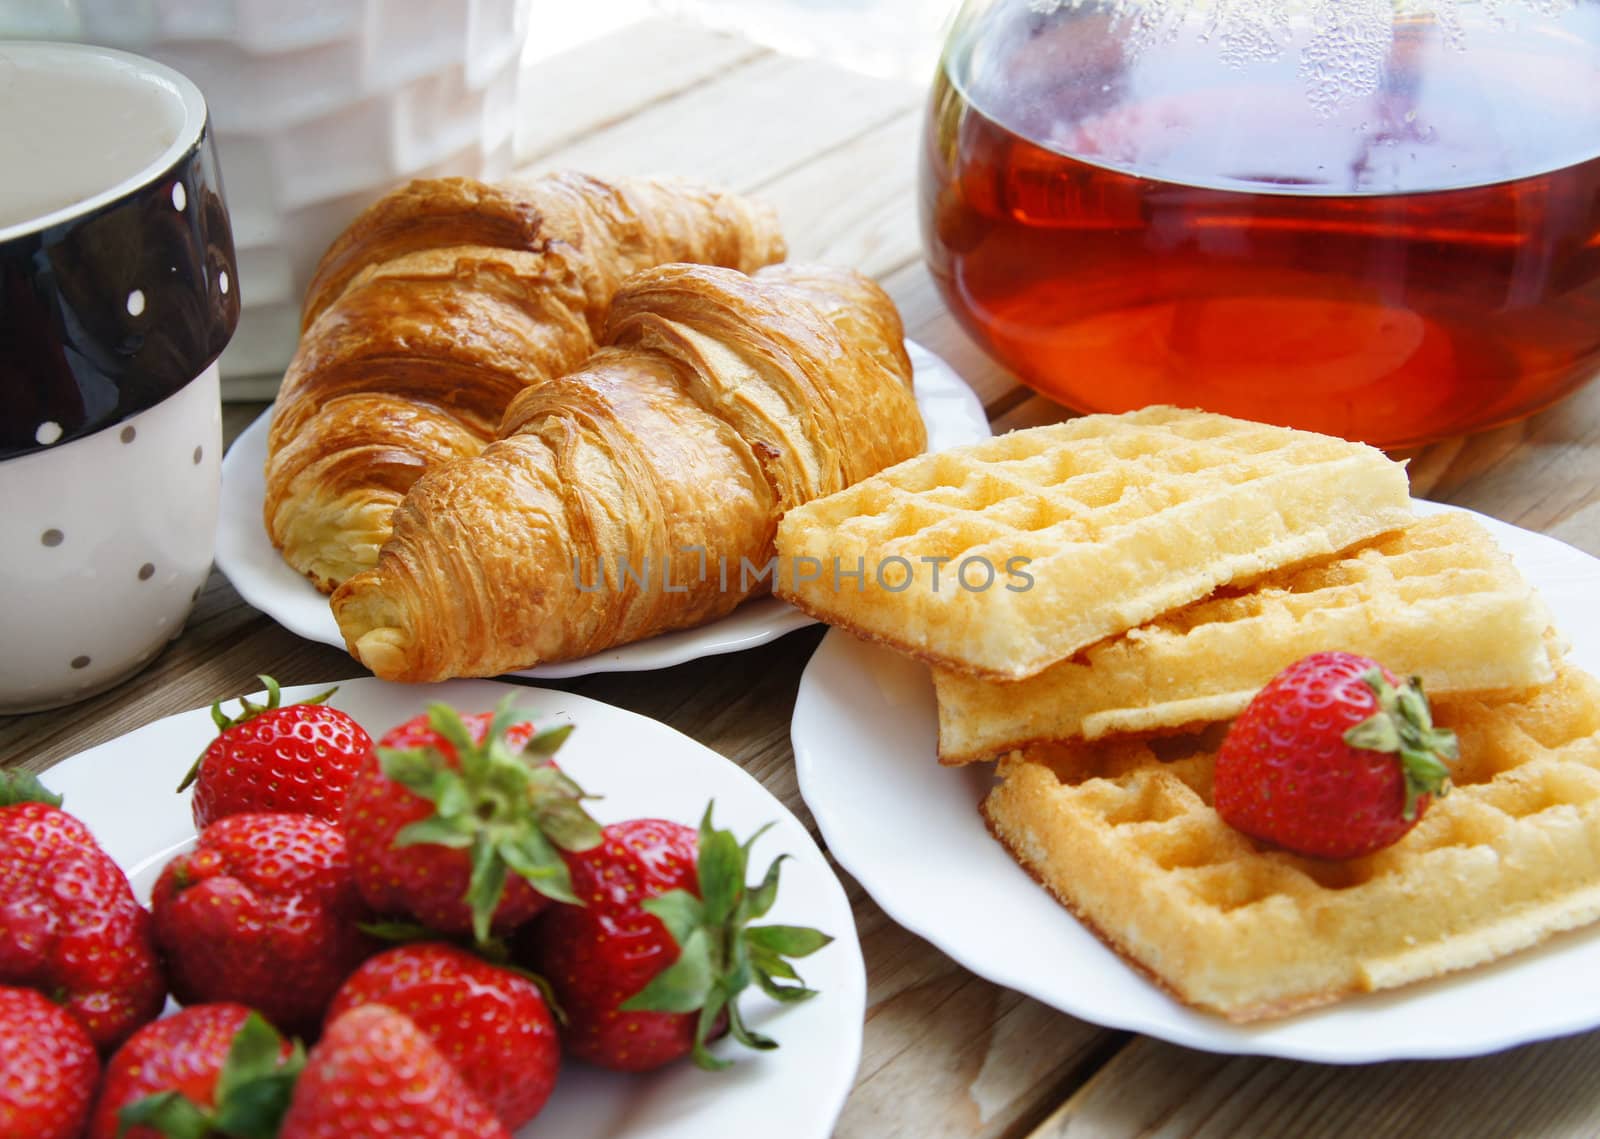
1392, 251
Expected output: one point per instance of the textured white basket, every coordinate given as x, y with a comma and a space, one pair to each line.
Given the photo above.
319, 107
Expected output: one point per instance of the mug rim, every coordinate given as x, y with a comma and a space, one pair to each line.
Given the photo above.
190, 132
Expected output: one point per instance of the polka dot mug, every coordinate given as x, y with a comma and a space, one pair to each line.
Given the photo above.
117, 294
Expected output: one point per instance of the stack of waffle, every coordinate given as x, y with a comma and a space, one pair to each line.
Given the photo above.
1130, 582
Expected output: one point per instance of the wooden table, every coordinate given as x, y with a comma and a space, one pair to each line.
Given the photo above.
946, 1053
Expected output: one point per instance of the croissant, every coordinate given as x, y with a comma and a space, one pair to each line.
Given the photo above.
435, 308
641, 493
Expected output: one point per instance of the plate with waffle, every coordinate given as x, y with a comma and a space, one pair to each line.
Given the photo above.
1020, 768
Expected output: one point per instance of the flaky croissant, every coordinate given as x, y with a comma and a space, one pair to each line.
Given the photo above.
435, 308
641, 493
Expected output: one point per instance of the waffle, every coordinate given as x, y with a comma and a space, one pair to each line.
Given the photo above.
1437, 600
1511, 856
1059, 536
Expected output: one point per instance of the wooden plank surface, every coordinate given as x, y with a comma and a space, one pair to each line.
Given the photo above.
741, 128
1156, 1090
946, 1054
597, 84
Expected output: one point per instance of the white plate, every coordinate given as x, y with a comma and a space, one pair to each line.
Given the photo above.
865, 735
949, 408
123, 791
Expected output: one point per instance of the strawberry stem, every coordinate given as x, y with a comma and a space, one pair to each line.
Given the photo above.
1403, 726
719, 953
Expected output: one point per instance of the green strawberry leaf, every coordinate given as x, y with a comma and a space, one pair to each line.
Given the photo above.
764, 895
768, 962
680, 911
1376, 733
788, 994
253, 1054
683, 986
24, 787
721, 866
744, 1035
256, 1110
171, 1113
423, 772
557, 803
1403, 726
436, 830
751, 841
787, 940
487, 883
568, 825
505, 716
415, 769
531, 857
545, 779
703, 1028
447, 722
548, 742
720, 955
252, 1093
397, 932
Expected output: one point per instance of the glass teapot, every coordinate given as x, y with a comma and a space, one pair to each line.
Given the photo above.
1374, 218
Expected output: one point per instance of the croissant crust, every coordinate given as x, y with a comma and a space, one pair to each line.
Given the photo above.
435, 308
641, 493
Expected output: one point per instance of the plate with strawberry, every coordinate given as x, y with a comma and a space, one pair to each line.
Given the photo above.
1386, 763
551, 915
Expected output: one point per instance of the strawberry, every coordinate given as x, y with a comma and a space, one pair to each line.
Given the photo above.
48, 1068
490, 1022
1333, 759
419, 732
655, 959
69, 923
263, 912
375, 1075
462, 831
299, 758
215, 1069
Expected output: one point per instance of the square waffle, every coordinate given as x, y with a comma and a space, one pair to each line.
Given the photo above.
1437, 600
1055, 537
1232, 926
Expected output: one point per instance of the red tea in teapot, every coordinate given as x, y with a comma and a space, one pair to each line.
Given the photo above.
1390, 234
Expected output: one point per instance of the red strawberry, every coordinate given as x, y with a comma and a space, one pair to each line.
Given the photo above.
210, 1069
299, 758
656, 957
491, 1023
48, 1068
69, 923
375, 1075
462, 832
419, 732
1333, 759
263, 912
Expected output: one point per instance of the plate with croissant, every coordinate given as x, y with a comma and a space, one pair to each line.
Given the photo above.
547, 427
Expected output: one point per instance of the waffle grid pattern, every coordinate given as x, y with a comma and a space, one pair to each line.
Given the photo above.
1135, 849
1438, 600
1120, 518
